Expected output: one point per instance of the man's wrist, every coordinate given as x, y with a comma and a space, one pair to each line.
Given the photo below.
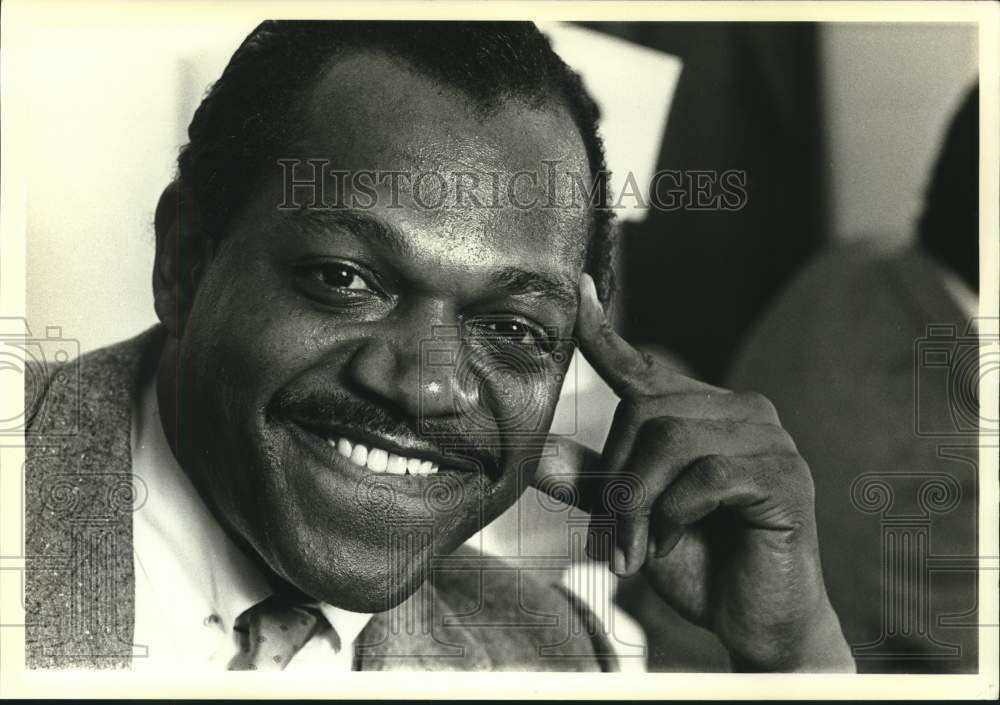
823, 648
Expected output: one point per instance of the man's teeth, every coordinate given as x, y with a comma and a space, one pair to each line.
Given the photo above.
378, 460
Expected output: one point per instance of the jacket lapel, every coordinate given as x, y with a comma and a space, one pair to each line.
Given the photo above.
79, 499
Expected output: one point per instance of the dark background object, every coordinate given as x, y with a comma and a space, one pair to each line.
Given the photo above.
948, 228
694, 281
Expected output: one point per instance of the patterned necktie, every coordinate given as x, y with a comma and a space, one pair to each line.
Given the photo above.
273, 631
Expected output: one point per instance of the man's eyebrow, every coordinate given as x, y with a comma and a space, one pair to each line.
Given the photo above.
511, 280
516, 281
358, 222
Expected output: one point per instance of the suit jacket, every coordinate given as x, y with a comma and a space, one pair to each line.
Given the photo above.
476, 613
868, 391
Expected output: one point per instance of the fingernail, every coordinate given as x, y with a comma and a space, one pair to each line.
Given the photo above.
619, 565
669, 536
651, 547
587, 287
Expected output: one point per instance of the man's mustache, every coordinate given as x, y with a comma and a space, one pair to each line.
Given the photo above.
443, 435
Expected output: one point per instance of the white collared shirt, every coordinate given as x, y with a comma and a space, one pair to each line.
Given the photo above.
191, 580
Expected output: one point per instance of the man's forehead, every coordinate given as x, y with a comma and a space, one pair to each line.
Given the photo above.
512, 174
389, 113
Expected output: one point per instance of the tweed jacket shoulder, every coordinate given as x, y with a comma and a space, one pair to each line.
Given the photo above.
478, 612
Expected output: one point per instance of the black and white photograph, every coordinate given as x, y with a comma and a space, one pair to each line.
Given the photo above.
509, 349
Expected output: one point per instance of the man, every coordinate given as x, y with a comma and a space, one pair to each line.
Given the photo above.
352, 376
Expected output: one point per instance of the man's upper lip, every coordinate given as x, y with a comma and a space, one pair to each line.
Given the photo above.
411, 448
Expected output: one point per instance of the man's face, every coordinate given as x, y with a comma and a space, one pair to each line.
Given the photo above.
414, 325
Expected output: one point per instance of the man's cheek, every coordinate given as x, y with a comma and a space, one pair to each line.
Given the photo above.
255, 352
256, 320
529, 404
524, 404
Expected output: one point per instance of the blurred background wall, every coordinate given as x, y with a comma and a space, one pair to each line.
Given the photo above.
887, 95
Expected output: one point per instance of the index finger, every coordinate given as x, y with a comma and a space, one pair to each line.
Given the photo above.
629, 372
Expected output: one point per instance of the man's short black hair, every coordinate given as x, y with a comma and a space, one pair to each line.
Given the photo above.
252, 112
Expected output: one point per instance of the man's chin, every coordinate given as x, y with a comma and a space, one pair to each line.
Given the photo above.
368, 586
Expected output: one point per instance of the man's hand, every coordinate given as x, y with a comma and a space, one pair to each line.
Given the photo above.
722, 522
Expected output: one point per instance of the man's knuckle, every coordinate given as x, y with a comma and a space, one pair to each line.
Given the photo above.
639, 370
607, 331
798, 466
781, 442
758, 405
671, 507
798, 519
806, 480
665, 430
797, 478
647, 361
714, 470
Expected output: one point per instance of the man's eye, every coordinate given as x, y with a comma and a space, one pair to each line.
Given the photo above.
340, 276
511, 332
514, 333
336, 283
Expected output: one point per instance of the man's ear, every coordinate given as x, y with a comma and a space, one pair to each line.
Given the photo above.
183, 252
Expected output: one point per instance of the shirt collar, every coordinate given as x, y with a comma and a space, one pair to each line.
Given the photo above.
223, 576
347, 624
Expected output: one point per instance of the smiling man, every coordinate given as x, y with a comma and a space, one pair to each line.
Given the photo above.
370, 273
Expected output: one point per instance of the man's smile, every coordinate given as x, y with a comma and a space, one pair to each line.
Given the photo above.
380, 460
409, 461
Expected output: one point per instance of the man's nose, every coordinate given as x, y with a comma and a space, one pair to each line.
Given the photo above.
414, 368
